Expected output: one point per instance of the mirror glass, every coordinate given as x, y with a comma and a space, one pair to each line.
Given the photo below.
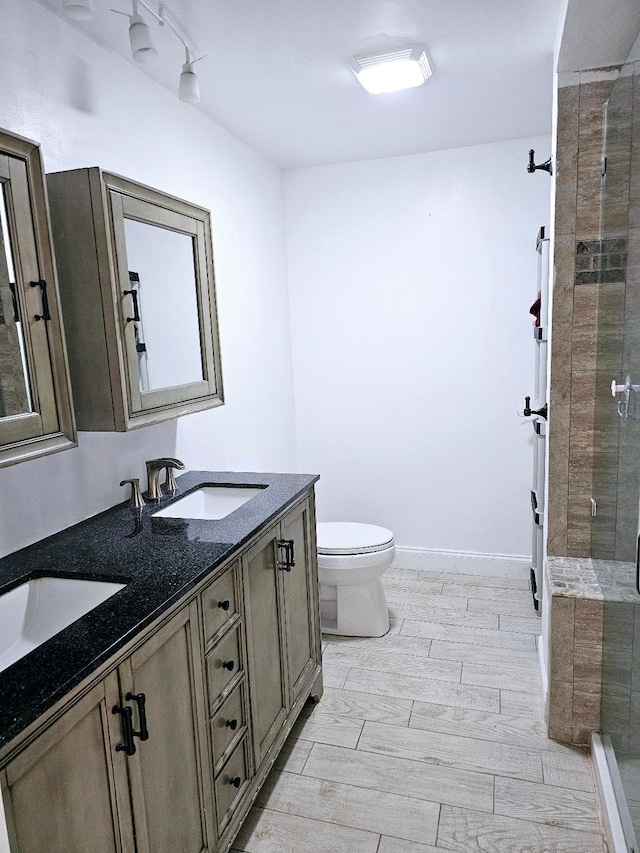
164, 305
15, 394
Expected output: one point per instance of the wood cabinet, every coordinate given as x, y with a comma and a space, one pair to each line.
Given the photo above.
168, 750
35, 406
138, 297
77, 788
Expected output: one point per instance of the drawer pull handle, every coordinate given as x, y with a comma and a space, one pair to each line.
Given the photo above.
232, 724
127, 729
236, 781
140, 699
224, 604
228, 664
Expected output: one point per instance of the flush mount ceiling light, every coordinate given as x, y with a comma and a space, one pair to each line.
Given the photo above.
79, 10
142, 48
392, 70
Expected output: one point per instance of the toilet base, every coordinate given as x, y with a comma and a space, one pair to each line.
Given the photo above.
358, 610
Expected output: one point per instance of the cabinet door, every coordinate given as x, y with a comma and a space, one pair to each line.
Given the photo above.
60, 792
168, 788
301, 599
264, 624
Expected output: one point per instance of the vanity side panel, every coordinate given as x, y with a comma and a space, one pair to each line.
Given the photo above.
74, 211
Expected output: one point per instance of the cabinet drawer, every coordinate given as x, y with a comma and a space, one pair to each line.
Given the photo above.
224, 662
231, 783
228, 722
219, 603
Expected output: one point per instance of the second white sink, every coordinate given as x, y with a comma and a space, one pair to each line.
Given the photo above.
210, 502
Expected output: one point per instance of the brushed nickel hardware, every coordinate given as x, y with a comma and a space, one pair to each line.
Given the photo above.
136, 501
154, 467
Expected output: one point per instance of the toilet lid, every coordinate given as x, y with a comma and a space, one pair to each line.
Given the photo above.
349, 537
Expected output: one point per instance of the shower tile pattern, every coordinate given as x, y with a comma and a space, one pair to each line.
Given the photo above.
590, 646
432, 740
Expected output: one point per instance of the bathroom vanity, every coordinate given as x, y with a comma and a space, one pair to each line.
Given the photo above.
150, 723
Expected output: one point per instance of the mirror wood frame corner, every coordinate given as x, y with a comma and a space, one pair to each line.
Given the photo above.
94, 215
36, 411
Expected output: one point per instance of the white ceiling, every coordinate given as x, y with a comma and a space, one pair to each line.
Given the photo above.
276, 71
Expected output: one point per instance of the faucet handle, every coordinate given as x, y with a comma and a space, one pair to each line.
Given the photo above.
170, 466
135, 501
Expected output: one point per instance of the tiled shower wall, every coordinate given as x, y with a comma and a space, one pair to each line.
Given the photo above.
591, 246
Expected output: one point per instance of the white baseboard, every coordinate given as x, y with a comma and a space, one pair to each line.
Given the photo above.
463, 562
543, 671
611, 815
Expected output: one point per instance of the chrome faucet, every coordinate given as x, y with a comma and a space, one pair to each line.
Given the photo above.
154, 467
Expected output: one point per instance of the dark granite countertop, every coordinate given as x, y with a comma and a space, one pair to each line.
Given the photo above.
159, 559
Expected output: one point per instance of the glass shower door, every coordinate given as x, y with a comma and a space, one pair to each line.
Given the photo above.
614, 260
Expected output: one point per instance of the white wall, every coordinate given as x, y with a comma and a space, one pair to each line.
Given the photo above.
410, 283
88, 107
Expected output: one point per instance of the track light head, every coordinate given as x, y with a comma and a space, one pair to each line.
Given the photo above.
189, 89
142, 47
79, 10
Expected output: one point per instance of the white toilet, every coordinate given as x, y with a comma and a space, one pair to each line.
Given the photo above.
352, 558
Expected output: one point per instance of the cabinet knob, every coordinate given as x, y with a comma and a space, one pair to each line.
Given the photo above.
224, 604
232, 724
228, 664
236, 781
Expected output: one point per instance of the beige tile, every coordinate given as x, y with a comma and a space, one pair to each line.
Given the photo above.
350, 805
520, 596
524, 678
483, 725
465, 753
378, 660
333, 675
463, 634
397, 643
464, 831
500, 606
397, 845
267, 831
424, 689
560, 710
561, 641
366, 706
544, 804
401, 574
407, 586
293, 755
422, 613
475, 581
568, 767
589, 620
521, 624
425, 599
489, 655
521, 704
401, 776
325, 727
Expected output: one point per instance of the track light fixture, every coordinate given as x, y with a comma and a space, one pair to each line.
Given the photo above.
143, 49
79, 10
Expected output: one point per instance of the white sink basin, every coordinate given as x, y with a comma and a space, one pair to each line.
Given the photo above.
210, 502
34, 611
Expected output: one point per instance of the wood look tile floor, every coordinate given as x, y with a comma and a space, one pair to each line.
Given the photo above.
430, 739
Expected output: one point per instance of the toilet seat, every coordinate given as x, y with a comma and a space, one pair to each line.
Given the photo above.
344, 538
